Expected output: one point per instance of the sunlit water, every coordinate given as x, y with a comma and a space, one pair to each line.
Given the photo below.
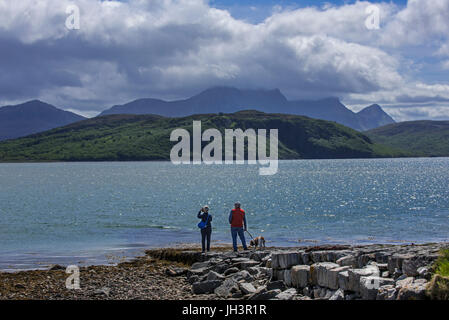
87, 213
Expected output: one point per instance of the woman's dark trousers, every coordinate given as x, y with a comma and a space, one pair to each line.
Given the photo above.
205, 235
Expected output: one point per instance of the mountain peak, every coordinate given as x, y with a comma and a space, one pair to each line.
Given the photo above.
374, 116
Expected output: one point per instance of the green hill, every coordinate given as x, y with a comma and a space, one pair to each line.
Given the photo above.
146, 137
418, 138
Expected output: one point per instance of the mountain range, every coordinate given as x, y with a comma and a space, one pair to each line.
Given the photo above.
229, 100
32, 117
36, 116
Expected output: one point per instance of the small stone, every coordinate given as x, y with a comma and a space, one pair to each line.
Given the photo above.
231, 271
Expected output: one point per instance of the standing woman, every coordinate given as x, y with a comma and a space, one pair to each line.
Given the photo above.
206, 227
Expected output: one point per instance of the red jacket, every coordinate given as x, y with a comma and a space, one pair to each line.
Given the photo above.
237, 218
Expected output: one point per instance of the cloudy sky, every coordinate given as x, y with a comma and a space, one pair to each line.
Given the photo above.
172, 49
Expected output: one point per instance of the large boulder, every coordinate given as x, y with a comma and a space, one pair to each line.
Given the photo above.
350, 261
300, 276
356, 274
411, 266
343, 280
285, 260
333, 279
207, 286
322, 270
395, 261
369, 286
413, 291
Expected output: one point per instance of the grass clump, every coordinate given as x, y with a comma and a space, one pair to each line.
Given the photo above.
438, 288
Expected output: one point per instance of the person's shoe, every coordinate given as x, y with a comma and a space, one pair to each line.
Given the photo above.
246, 249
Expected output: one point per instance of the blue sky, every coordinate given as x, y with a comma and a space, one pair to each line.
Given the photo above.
257, 10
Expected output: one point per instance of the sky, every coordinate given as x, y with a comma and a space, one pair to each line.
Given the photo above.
172, 49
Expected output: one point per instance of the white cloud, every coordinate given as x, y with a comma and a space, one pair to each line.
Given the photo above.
175, 48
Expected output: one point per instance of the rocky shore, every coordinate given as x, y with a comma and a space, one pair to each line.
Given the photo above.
372, 272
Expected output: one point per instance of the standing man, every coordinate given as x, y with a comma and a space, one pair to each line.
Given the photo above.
237, 220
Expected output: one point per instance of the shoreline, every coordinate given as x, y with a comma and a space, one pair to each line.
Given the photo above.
113, 257
166, 273
168, 160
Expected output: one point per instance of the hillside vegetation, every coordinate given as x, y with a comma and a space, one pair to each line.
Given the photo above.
418, 138
146, 137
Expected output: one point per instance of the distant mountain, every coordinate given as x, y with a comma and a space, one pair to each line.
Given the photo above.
32, 117
420, 138
147, 137
228, 100
374, 117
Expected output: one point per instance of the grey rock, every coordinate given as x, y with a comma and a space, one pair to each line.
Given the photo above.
385, 274
193, 279
387, 292
338, 295
243, 275
103, 291
227, 288
349, 261
343, 280
424, 273
410, 266
267, 295
356, 274
322, 270
212, 275
364, 259
247, 288
288, 294
300, 276
199, 265
285, 260
305, 258
317, 256
279, 284
403, 282
56, 267
395, 261
288, 277
231, 271
333, 282
206, 286
413, 291
248, 264
369, 286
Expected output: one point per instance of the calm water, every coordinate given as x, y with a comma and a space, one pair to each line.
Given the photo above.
99, 212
